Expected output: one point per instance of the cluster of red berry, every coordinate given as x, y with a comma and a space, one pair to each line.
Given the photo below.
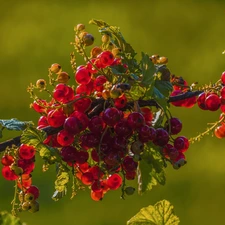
212, 99
102, 128
18, 165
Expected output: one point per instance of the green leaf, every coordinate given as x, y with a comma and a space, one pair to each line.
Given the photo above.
145, 180
162, 213
49, 153
118, 69
8, 219
116, 36
164, 87
160, 98
148, 71
33, 136
135, 92
150, 169
14, 124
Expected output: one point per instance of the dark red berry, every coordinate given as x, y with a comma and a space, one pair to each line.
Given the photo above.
213, 102
136, 120
181, 144
111, 116
173, 125
162, 137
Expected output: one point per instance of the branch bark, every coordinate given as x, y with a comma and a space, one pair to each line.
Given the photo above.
96, 108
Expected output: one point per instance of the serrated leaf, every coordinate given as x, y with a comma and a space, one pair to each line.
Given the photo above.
62, 179
148, 71
48, 153
33, 136
164, 87
118, 69
160, 98
162, 213
145, 180
61, 185
150, 169
14, 124
135, 92
8, 219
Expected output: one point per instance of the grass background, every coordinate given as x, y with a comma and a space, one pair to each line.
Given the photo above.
35, 34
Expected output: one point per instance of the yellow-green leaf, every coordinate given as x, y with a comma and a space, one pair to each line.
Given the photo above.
33, 136
162, 213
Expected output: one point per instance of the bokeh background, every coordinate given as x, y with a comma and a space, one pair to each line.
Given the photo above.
35, 34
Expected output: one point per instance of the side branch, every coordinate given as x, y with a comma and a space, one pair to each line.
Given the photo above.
96, 108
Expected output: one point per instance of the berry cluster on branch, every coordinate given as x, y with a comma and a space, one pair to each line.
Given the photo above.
112, 126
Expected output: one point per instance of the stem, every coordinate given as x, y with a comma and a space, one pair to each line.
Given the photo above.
14, 200
198, 137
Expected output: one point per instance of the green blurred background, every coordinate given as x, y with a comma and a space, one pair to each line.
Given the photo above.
35, 34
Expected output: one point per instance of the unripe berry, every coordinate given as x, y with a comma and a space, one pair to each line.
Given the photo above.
41, 84
63, 77
80, 27
55, 68
88, 39
129, 190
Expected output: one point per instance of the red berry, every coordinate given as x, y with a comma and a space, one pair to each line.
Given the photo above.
96, 125
82, 118
72, 125
26, 151
106, 58
96, 172
96, 186
114, 181
122, 128
83, 76
99, 82
176, 93
86, 89
212, 102
39, 105
68, 154
8, 174
56, 118
129, 164
130, 175
33, 190
82, 104
181, 144
97, 196
147, 113
173, 125
111, 116
201, 101
81, 157
87, 178
65, 138
136, 120
162, 137
43, 121
27, 165
94, 155
7, 160
120, 102
220, 131
89, 140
